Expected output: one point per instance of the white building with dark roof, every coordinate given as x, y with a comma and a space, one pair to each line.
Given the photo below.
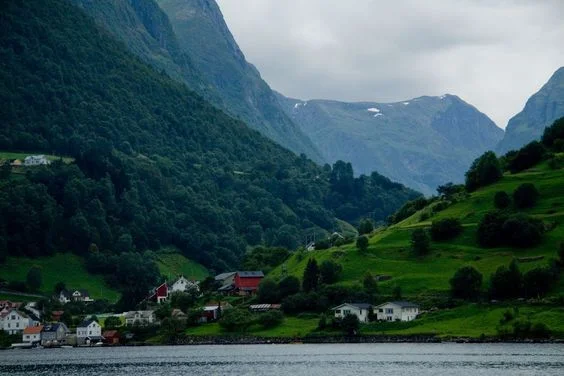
396, 311
360, 310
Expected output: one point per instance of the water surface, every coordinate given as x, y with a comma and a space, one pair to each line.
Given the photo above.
317, 360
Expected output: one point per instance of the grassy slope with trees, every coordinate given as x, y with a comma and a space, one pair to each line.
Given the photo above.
493, 308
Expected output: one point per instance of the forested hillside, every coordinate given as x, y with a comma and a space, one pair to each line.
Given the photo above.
155, 164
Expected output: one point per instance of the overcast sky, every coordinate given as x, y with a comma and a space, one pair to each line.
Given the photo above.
493, 54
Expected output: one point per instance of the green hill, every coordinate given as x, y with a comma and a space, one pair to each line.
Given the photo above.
389, 249
172, 264
61, 267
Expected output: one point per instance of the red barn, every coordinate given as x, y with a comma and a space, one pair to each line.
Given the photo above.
160, 294
111, 337
247, 283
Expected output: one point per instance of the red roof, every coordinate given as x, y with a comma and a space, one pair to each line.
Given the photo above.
33, 329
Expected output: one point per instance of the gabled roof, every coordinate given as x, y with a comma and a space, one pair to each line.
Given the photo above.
85, 323
401, 303
222, 276
55, 327
250, 274
33, 329
356, 305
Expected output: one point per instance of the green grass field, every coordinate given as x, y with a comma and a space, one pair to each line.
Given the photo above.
62, 267
389, 250
172, 265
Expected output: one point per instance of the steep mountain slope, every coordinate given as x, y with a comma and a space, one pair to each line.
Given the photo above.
231, 82
155, 164
540, 111
422, 143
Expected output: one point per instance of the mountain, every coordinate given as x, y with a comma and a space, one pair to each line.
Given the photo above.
198, 50
423, 142
152, 164
540, 111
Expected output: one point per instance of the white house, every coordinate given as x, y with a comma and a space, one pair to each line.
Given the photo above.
360, 310
81, 295
32, 334
184, 285
396, 311
35, 160
14, 321
88, 332
141, 318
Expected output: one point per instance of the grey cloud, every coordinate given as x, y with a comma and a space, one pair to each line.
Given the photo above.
494, 54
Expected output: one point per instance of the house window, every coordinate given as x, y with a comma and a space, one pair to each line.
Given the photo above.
90, 332
389, 318
380, 310
338, 311
13, 317
17, 325
389, 311
346, 312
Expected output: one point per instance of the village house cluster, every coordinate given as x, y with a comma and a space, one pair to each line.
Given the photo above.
390, 311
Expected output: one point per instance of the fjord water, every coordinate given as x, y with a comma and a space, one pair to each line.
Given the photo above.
326, 360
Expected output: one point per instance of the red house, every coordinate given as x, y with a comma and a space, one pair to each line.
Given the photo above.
111, 337
247, 283
160, 294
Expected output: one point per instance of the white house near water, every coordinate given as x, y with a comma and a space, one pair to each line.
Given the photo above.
360, 310
396, 311
88, 332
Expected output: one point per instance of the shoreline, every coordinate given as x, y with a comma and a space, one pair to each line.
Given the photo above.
251, 340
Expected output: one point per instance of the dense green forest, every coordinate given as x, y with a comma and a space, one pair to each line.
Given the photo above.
155, 164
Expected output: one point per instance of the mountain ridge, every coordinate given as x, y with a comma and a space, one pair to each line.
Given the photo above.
411, 141
540, 110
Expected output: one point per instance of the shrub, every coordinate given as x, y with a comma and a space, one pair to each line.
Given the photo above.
350, 324
525, 196
329, 271
538, 282
528, 156
322, 244
268, 292
365, 227
502, 200
506, 282
362, 243
290, 285
236, 320
489, 232
554, 133
310, 279
445, 229
420, 242
522, 231
270, 319
485, 170
466, 283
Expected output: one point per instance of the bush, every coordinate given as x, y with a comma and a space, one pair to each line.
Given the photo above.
485, 170
362, 243
538, 282
525, 196
304, 302
554, 133
420, 242
522, 231
506, 282
502, 200
268, 292
236, 320
489, 232
329, 271
290, 285
466, 283
350, 324
310, 279
527, 157
365, 227
112, 322
445, 229
270, 319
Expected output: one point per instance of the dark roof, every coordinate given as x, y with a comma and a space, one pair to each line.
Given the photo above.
54, 327
404, 304
85, 323
222, 276
357, 305
250, 274
226, 288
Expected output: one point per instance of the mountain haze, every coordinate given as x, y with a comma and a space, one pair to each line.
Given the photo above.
423, 142
540, 111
